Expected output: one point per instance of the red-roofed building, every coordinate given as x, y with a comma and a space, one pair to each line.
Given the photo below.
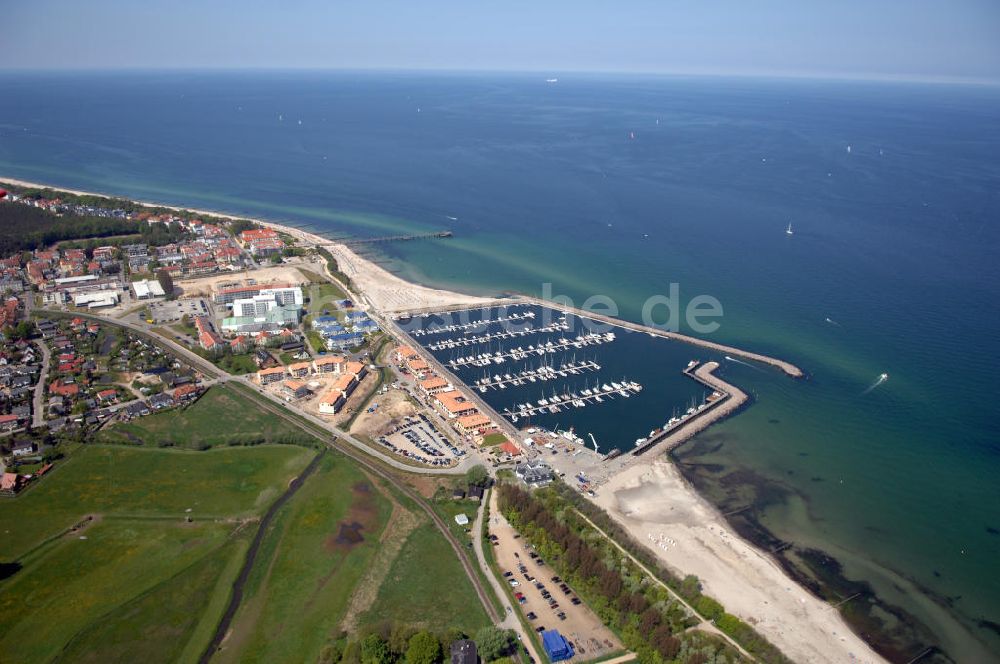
186, 393
510, 448
107, 396
207, 337
10, 483
64, 389
273, 375
8, 422
240, 344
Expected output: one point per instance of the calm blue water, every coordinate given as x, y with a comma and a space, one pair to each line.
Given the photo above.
617, 421
621, 186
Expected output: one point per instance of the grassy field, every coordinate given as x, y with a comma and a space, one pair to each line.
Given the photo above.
427, 588
138, 582
121, 482
317, 566
308, 567
176, 615
220, 417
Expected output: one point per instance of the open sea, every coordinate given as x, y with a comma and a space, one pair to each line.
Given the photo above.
621, 186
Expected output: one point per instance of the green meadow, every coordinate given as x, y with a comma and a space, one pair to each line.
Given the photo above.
129, 550
222, 416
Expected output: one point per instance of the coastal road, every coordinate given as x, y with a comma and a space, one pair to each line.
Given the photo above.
38, 398
510, 621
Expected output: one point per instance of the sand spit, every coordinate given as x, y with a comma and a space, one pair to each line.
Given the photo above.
661, 510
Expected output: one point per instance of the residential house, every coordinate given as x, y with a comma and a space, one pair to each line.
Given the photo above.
23, 448
273, 375
329, 364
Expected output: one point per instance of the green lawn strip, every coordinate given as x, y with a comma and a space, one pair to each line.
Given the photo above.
493, 439
78, 581
427, 588
222, 416
447, 509
161, 624
101, 479
236, 364
316, 341
308, 567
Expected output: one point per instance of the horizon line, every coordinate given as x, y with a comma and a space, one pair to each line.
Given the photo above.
679, 73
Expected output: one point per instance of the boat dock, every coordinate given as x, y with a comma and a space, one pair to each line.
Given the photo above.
473, 325
542, 373
558, 402
520, 353
459, 342
723, 400
787, 367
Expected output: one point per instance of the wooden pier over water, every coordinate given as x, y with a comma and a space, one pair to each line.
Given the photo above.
395, 238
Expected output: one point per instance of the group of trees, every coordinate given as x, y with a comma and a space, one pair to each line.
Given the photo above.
23, 330
334, 268
650, 621
689, 587
29, 228
646, 620
399, 644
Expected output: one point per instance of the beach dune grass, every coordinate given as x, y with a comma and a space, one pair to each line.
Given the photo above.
221, 416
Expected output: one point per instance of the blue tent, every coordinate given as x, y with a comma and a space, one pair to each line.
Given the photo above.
556, 646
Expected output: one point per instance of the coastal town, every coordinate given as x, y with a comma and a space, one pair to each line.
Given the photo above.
108, 338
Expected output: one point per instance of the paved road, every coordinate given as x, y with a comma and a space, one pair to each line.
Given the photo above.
510, 620
37, 402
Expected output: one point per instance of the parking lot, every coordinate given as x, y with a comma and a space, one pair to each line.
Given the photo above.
417, 438
544, 599
171, 311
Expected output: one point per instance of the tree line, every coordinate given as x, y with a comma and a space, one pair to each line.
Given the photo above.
649, 621
29, 228
392, 643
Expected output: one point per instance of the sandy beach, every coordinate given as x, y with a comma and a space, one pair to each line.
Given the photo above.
691, 537
390, 294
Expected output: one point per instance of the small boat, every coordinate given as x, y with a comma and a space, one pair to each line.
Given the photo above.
789, 231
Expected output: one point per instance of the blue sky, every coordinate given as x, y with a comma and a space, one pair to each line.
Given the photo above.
936, 39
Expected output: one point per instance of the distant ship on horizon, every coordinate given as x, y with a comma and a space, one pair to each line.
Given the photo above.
552, 80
